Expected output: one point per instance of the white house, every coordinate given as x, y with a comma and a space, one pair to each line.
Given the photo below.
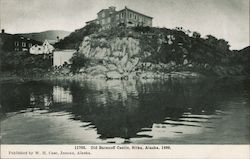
46, 48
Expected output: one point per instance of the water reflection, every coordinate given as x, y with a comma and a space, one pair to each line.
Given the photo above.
125, 111
61, 95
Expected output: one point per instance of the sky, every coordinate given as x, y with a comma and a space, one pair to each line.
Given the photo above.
227, 19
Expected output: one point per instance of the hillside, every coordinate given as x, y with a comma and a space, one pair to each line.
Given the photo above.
50, 35
149, 52
144, 52
245, 50
73, 40
243, 56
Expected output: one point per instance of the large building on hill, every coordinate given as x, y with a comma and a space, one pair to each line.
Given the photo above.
109, 18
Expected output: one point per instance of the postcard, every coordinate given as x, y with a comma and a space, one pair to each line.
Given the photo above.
124, 79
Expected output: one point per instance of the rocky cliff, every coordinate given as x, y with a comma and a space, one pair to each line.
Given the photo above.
122, 58
143, 52
118, 57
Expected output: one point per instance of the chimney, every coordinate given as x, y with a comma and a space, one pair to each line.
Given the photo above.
112, 8
3, 31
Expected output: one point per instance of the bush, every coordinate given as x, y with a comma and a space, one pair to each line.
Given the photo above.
75, 38
77, 62
142, 29
21, 61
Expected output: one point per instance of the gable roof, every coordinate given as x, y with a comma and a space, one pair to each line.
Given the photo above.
135, 12
124, 10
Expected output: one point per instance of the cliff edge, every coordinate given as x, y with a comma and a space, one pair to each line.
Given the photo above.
146, 52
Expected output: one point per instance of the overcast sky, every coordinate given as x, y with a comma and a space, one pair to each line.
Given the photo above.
228, 19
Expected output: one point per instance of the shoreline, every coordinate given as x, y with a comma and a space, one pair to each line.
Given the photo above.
187, 75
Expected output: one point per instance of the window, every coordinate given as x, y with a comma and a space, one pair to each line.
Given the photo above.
16, 43
135, 17
130, 15
103, 14
109, 20
30, 45
23, 44
103, 21
122, 14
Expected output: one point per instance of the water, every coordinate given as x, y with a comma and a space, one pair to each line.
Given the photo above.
208, 111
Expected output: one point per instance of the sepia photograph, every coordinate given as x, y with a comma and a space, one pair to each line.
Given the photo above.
124, 74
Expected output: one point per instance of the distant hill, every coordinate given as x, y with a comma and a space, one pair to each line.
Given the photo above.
50, 35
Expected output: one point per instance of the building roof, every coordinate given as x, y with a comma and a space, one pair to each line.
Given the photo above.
135, 12
127, 9
91, 21
7, 36
118, 12
102, 10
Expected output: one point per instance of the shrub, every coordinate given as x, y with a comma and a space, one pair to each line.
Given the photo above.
77, 62
20, 61
75, 38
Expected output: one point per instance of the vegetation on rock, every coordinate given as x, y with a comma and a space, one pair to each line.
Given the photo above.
163, 50
139, 51
74, 39
78, 61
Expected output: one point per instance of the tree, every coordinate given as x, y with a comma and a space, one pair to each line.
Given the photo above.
21, 61
196, 35
78, 61
75, 38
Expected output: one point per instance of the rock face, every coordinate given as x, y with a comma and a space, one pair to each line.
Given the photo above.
114, 75
119, 56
